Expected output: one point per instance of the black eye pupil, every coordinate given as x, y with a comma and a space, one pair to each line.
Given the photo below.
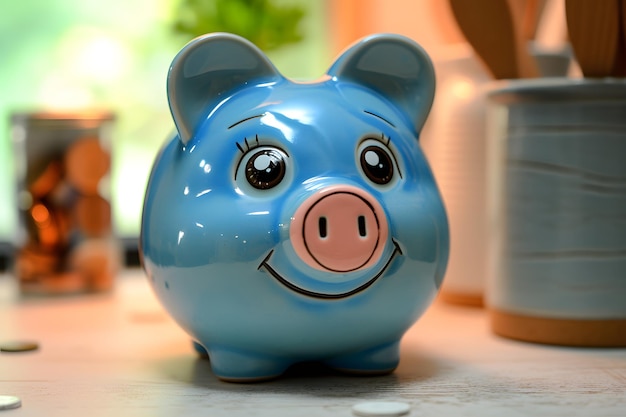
265, 169
377, 164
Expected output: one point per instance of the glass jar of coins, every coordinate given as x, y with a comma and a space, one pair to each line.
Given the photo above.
65, 242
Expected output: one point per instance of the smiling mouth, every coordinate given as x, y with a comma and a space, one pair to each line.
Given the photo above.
265, 264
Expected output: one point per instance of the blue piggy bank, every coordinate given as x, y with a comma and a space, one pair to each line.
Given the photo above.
296, 221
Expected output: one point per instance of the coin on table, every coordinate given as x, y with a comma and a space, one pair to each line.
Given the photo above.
18, 346
7, 402
381, 409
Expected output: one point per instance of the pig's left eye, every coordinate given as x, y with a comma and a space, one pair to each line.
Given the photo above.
377, 164
264, 168
377, 161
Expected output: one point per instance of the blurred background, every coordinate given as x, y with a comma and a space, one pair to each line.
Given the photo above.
73, 54
91, 57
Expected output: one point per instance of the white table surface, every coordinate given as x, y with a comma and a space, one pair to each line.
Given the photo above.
120, 355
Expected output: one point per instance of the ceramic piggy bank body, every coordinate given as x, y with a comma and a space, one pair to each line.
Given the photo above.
290, 221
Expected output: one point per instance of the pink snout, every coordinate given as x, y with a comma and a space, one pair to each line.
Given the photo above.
339, 229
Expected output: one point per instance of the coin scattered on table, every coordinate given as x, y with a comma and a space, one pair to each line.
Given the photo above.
8, 402
381, 409
18, 346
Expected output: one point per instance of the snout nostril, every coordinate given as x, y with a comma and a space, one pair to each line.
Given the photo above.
322, 224
362, 227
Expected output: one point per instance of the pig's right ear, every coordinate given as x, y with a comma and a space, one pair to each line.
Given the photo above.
205, 70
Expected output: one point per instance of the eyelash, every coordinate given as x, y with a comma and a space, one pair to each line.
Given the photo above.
380, 139
256, 144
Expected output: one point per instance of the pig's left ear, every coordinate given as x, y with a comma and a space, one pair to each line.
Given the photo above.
394, 66
205, 70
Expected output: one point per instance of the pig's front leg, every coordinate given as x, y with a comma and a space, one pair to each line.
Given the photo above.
236, 365
379, 360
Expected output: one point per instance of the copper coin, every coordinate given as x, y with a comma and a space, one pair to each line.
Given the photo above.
47, 180
18, 346
93, 215
86, 163
96, 262
31, 263
67, 282
47, 230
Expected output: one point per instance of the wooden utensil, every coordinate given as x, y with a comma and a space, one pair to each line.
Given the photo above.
619, 68
551, 32
493, 28
594, 31
519, 10
532, 14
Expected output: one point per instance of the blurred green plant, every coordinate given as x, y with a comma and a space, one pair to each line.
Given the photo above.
263, 22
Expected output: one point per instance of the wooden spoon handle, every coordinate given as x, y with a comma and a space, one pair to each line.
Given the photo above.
487, 26
619, 69
593, 28
530, 21
526, 65
493, 28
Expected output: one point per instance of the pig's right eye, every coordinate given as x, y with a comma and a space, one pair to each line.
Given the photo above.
263, 167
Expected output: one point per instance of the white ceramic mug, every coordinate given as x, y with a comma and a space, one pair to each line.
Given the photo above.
558, 211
